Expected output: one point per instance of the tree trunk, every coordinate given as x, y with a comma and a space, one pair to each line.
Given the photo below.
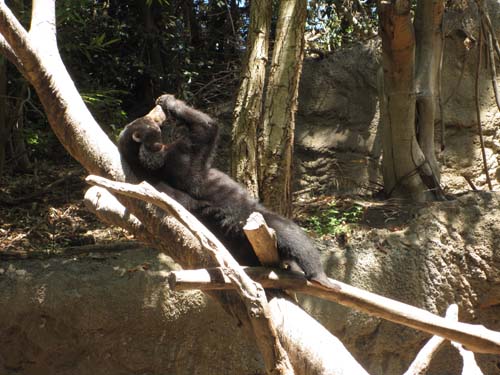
403, 160
4, 127
429, 40
19, 152
276, 148
152, 56
248, 107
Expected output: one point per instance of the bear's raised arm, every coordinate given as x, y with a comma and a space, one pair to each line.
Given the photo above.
203, 132
180, 110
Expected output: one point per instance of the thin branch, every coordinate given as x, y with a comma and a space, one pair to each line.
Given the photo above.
469, 181
475, 337
252, 294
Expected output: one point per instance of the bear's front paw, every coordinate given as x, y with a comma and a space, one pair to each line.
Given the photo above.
166, 101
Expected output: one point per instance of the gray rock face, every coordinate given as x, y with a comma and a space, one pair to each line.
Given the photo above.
448, 252
337, 142
112, 315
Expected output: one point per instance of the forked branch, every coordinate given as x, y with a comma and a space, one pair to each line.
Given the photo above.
252, 294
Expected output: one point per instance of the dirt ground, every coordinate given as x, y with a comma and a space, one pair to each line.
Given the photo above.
42, 214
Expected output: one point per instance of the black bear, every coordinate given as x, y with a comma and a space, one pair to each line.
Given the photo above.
219, 202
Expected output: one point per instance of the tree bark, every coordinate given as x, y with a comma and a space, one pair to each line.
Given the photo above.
276, 146
4, 126
429, 40
403, 160
248, 107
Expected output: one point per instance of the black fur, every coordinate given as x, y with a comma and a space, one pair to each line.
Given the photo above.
213, 197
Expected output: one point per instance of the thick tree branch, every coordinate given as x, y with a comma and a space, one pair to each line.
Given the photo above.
107, 208
69, 117
475, 337
311, 348
252, 294
470, 366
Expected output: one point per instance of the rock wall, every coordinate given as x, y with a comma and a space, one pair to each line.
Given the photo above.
111, 315
442, 253
338, 143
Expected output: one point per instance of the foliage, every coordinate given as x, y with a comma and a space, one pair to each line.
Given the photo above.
108, 105
122, 55
333, 23
334, 220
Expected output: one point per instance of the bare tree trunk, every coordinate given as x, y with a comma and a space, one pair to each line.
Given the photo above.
276, 148
153, 59
429, 40
4, 126
248, 107
19, 152
403, 160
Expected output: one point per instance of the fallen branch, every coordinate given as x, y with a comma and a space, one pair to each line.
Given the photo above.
252, 294
475, 337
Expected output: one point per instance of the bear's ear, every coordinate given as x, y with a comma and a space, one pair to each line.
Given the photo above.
136, 136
